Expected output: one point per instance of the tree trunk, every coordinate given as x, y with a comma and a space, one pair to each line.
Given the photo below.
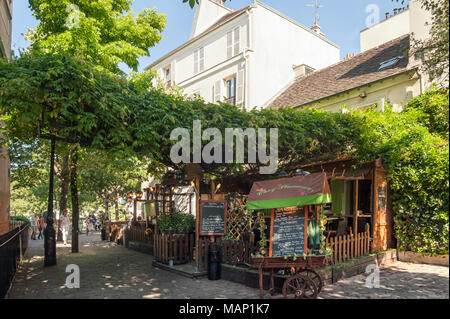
116, 207
107, 209
74, 195
64, 182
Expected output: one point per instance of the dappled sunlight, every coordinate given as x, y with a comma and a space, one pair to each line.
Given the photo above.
109, 271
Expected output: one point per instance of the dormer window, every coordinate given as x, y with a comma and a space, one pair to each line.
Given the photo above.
389, 63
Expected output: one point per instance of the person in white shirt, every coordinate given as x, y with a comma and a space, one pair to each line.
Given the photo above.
34, 224
65, 226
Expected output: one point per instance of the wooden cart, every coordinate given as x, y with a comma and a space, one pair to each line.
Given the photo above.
304, 283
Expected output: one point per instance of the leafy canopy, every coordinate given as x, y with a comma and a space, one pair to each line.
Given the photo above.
103, 32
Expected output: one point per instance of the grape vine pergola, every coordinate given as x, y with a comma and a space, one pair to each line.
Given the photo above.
69, 101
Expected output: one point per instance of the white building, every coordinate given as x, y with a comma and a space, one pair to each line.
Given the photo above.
413, 20
243, 57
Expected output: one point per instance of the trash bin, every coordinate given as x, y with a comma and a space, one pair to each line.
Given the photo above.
214, 266
103, 233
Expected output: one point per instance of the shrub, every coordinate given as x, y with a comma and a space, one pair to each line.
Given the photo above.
416, 155
176, 222
19, 218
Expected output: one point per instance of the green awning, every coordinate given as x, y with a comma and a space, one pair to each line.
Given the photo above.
290, 192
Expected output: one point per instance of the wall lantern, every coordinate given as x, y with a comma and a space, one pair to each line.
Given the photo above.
139, 195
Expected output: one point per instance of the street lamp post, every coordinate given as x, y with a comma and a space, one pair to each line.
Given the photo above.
49, 232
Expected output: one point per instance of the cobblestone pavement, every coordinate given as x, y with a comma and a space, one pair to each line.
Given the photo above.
400, 281
114, 272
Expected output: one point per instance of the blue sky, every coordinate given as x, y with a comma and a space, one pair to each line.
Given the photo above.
341, 20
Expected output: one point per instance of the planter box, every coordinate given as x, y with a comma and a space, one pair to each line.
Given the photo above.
176, 247
410, 257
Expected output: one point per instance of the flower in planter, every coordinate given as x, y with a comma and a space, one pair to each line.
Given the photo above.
262, 251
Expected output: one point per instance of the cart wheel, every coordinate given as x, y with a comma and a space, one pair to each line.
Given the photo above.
315, 277
300, 287
272, 292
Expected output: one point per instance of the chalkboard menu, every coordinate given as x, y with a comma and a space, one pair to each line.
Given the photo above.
289, 233
212, 218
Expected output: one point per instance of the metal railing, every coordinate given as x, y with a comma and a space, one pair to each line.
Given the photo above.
12, 248
230, 100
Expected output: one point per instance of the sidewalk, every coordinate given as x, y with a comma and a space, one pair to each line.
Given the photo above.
109, 271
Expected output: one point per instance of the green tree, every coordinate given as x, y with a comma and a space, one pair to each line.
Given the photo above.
105, 33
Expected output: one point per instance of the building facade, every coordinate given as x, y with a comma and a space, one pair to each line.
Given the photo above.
5, 52
383, 73
240, 58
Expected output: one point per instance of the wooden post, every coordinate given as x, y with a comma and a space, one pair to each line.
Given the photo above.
272, 217
197, 223
355, 212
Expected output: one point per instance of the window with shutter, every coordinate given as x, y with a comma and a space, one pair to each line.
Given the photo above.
199, 60
240, 87
218, 91
195, 61
202, 59
237, 39
172, 77
229, 45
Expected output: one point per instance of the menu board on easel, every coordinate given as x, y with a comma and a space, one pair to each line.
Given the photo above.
213, 218
289, 233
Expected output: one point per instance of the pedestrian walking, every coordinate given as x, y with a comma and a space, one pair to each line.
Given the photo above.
65, 226
41, 227
34, 226
45, 215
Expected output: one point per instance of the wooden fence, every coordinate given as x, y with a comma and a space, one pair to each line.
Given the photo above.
138, 234
231, 252
349, 247
179, 248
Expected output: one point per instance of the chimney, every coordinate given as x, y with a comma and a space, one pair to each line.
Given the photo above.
317, 29
302, 70
349, 56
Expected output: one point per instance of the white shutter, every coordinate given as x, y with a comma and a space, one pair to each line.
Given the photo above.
237, 39
195, 61
229, 45
218, 92
172, 68
202, 59
240, 87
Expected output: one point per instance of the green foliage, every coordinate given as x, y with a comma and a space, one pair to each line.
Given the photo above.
434, 104
19, 219
104, 33
176, 222
80, 104
418, 171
